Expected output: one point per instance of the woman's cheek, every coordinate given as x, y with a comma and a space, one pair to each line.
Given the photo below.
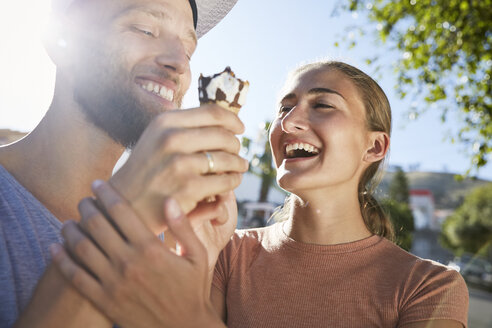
274, 139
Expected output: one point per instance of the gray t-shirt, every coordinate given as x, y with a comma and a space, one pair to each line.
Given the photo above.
27, 229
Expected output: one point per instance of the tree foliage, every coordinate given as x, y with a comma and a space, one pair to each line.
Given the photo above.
402, 219
261, 163
398, 188
469, 228
446, 60
397, 208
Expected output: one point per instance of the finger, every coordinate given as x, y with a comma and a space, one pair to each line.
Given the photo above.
122, 214
105, 235
180, 227
203, 186
199, 163
207, 115
208, 211
85, 252
222, 162
204, 139
82, 281
228, 208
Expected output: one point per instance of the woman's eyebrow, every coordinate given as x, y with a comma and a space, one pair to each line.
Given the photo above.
289, 97
316, 91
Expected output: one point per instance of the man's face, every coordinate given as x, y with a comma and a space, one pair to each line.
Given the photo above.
133, 63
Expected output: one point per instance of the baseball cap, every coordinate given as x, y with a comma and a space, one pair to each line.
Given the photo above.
206, 13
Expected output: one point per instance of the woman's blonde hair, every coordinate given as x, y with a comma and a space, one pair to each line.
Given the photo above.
378, 118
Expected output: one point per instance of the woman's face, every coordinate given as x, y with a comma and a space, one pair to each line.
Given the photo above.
321, 114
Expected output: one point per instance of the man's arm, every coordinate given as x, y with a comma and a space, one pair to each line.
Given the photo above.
219, 303
168, 161
55, 303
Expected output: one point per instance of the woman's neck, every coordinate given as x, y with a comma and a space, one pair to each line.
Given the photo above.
326, 218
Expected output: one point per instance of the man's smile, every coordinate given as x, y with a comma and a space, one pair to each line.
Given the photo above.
157, 89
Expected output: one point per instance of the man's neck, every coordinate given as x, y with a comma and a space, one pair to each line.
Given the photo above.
60, 158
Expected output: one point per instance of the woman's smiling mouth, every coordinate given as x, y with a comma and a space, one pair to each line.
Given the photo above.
300, 150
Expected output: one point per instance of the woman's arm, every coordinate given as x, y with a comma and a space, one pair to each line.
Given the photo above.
434, 324
140, 282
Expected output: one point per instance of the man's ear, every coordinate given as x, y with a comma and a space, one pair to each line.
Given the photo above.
378, 146
57, 41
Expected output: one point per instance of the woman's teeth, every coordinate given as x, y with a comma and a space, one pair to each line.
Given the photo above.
291, 148
159, 90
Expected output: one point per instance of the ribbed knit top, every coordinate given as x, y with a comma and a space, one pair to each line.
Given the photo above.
271, 280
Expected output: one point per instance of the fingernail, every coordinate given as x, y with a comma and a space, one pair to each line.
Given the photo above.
173, 210
55, 249
96, 184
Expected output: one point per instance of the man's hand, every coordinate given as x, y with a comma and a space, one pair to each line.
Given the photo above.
169, 161
134, 279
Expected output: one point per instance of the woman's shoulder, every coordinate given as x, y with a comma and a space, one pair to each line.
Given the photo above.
425, 289
244, 247
411, 263
425, 279
427, 276
256, 236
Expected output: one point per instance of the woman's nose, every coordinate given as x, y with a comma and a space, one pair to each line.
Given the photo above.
296, 120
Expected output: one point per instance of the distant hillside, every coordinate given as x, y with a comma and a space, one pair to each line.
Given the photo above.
7, 136
448, 193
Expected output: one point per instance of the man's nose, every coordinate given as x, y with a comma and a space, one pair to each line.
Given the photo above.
172, 55
296, 120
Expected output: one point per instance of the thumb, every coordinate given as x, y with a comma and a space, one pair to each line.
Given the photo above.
180, 227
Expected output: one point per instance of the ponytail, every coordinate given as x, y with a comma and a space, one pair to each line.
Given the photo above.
373, 214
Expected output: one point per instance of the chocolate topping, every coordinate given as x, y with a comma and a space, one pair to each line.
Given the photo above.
227, 88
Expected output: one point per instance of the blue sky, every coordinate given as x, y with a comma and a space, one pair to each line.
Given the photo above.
261, 40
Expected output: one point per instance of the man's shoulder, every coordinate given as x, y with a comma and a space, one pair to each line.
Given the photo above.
26, 225
10, 189
27, 229
17, 202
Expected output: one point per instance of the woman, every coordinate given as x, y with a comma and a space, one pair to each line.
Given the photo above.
330, 263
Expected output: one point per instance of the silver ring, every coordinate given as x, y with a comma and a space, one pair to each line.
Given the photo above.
211, 164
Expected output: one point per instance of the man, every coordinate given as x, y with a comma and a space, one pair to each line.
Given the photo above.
122, 69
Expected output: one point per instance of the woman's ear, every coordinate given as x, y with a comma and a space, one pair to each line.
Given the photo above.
378, 147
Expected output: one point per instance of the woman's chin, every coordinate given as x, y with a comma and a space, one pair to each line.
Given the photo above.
293, 183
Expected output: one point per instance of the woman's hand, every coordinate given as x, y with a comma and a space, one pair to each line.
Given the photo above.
169, 161
129, 274
214, 223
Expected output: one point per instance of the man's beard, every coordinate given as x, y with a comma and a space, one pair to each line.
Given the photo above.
106, 93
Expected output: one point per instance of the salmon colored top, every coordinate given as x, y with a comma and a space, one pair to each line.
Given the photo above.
270, 280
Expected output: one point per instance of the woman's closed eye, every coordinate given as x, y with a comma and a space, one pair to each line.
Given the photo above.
322, 105
284, 108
